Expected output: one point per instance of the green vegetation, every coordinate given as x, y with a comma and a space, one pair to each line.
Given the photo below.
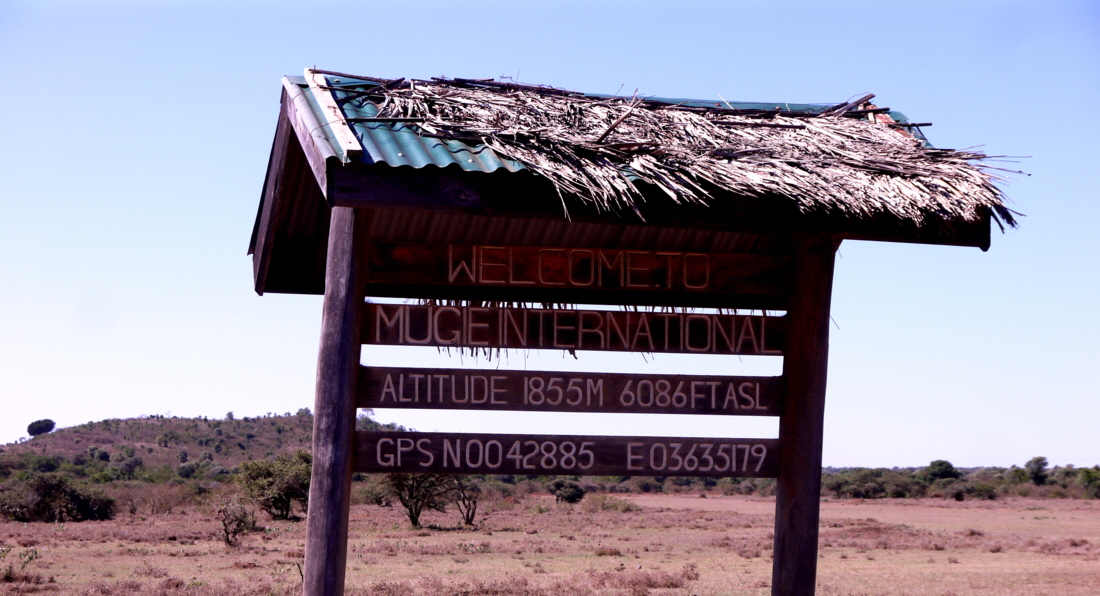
421, 492
941, 479
40, 427
276, 485
566, 491
155, 463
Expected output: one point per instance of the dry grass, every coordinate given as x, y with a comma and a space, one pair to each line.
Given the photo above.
596, 148
670, 546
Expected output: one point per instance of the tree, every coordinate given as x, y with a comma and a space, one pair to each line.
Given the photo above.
421, 492
466, 494
566, 491
40, 427
276, 485
1037, 470
940, 469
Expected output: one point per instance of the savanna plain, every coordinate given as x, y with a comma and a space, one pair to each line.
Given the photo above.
637, 544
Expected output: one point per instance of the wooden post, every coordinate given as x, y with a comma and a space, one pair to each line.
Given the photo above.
334, 408
805, 365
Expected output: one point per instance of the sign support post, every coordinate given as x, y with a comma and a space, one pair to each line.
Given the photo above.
334, 408
805, 367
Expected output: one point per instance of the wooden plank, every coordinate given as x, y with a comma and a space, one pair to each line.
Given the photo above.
468, 453
569, 329
334, 408
266, 224
333, 116
586, 271
318, 151
445, 190
805, 367
541, 391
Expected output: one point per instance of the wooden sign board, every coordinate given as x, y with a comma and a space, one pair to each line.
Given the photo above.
572, 329
540, 391
599, 275
469, 453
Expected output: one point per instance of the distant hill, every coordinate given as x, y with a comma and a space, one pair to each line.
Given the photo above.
158, 440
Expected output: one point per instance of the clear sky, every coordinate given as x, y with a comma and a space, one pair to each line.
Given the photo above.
134, 138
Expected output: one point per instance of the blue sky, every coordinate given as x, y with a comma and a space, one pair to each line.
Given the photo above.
134, 138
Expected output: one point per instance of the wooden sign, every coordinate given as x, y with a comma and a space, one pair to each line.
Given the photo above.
468, 453
451, 266
568, 329
539, 391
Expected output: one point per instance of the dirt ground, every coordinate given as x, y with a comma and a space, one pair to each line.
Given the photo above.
673, 545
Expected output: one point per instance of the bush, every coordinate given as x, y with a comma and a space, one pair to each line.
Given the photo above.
566, 491
1037, 470
236, 518
276, 485
940, 469
374, 491
54, 498
600, 503
40, 427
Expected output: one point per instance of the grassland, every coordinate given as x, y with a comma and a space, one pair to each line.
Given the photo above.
668, 545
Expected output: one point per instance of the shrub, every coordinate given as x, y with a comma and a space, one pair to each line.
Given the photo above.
1089, 478
276, 485
236, 518
600, 503
1037, 470
940, 469
566, 491
40, 427
54, 498
374, 491
645, 484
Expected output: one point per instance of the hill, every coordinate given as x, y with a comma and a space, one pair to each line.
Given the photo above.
160, 440
157, 448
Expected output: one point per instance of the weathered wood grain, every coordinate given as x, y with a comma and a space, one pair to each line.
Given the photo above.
568, 329
468, 453
334, 408
805, 367
542, 391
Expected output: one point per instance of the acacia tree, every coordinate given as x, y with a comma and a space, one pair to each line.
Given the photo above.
40, 427
466, 494
421, 492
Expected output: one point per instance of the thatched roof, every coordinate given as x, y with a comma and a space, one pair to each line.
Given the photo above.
850, 159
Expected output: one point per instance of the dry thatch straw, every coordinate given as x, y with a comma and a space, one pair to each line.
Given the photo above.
597, 148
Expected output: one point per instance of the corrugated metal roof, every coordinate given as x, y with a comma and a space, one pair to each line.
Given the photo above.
398, 144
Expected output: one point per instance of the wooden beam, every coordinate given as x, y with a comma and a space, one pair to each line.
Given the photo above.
805, 367
333, 116
334, 408
468, 453
379, 186
572, 329
544, 391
